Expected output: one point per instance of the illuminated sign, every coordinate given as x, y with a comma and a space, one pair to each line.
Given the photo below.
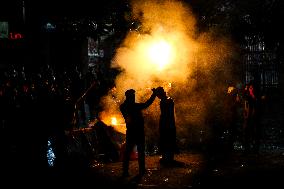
5, 34
15, 35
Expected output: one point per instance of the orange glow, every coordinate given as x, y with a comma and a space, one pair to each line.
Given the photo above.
160, 53
166, 54
113, 120
230, 89
170, 51
116, 121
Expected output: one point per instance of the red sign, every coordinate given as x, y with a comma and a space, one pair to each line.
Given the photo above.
15, 35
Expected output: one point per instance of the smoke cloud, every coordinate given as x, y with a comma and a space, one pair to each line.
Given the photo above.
198, 67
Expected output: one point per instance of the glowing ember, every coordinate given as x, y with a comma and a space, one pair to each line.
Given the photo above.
160, 53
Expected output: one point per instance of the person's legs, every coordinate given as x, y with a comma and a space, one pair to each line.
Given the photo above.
162, 146
128, 149
141, 156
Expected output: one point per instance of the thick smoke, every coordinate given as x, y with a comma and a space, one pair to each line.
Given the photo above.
196, 76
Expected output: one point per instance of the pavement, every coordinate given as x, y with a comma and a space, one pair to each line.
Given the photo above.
192, 170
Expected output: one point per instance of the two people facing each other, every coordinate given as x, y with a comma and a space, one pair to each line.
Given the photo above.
135, 134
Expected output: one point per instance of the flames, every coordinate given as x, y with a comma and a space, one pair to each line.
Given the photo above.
114, 120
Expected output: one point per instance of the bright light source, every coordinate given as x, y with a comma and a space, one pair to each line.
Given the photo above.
160, 54
113, 121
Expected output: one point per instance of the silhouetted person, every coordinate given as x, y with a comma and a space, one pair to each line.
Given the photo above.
133, 116
232, 104
167, 127
251, 118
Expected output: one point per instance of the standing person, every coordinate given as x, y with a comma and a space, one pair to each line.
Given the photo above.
167, 127
251, 118
133, 116
232, 104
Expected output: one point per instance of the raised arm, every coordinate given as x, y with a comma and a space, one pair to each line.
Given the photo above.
149, 101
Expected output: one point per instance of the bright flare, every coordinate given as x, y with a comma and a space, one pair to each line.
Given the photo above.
160, 54
116, 121
113, 121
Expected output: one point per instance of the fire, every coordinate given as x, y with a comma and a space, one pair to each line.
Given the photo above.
160, 53
113, 120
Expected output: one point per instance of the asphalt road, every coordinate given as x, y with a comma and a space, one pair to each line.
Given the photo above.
192, 170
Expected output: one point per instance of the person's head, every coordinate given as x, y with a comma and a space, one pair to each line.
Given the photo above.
130, 95
160, 92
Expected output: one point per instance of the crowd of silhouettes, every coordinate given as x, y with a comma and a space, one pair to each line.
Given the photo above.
37, 105
245, 106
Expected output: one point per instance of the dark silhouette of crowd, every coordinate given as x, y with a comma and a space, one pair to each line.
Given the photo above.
37, 106
245, 107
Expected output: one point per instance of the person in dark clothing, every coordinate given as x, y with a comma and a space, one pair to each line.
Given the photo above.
232, 116
167, 127
251, 125
133, 116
